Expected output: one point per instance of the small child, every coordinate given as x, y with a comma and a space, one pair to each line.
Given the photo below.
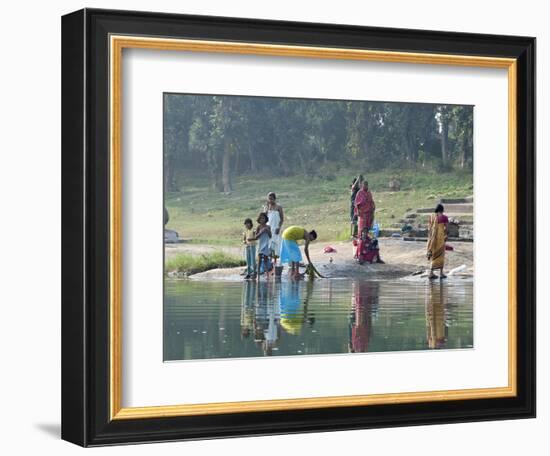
250, 243
263, 234
367, 249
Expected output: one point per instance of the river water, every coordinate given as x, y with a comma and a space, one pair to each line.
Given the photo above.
208, 320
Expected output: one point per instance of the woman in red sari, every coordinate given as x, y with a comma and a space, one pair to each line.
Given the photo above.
364, 207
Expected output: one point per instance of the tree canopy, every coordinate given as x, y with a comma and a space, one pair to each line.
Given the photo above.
227, 135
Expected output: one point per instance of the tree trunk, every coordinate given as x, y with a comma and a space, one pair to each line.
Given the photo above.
444, 138
413, 149
253, 168
237, 163
215, 180
302, 162
466, 151
226, 168
213, 170
462, 154
366, 145
405, 147
170, 181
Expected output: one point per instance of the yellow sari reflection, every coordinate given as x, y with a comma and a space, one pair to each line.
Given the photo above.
436, 303
292, 318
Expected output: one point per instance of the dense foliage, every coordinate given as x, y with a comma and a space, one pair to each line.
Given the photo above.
234, 135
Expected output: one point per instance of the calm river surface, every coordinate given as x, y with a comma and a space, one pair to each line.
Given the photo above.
207, 320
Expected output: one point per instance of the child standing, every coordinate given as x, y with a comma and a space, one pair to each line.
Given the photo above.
250, 247
276, 218
263, 235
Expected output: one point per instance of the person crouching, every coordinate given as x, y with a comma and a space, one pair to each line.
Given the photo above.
290, 251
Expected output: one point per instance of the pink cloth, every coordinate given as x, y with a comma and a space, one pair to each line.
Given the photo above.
364, 208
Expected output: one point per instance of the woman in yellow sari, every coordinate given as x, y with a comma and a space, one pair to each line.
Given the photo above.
437, 235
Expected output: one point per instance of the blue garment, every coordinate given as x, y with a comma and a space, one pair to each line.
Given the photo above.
292, 314
265, 265
251, 259
264, 244
290, 301
290, 252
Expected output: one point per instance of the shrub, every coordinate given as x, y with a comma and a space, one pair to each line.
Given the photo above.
188, 264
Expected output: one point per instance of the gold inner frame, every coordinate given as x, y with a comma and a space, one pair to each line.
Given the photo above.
117, 44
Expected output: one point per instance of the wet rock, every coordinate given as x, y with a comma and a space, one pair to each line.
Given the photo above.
453, 230
394, 185
171, 236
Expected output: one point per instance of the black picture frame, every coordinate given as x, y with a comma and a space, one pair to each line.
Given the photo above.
85, 228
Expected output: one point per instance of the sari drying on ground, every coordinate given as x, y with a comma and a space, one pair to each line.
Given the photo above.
437, 233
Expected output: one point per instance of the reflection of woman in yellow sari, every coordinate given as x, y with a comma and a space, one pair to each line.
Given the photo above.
291, 308
437, 235
436, 329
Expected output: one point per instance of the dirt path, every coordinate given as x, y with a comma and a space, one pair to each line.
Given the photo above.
401, 257
399, 252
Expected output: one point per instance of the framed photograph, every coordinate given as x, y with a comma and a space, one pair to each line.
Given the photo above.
278, 227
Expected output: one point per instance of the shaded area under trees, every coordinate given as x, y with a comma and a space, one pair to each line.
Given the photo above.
224, 136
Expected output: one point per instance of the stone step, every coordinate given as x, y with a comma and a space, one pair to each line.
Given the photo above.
464, 208
424, 239
459, 208
388, 232
462, 218
424, 226
468, 199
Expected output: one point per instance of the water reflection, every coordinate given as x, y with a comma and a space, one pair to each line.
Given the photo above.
364, 303
436, 303
268, 308
226, 320
247, 309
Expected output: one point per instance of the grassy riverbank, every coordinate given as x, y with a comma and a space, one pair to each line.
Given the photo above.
208, 217
188, 263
